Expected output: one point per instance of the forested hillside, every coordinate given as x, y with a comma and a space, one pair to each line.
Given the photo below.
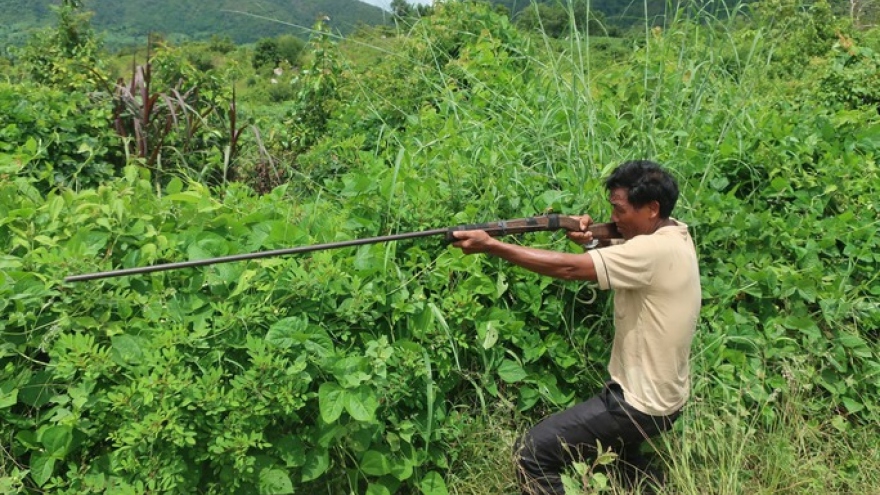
243, 21
407, 367
126, 23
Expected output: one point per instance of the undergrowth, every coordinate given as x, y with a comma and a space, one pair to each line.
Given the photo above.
715, 448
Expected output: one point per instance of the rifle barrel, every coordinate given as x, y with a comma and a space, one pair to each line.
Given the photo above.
504, 227
250, 256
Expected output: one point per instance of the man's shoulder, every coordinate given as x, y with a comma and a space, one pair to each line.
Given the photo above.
670, 233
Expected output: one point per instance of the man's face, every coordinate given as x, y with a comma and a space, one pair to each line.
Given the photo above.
632, 221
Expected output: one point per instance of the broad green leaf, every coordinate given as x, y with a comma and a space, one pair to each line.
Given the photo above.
780, 184
126, 349
27, 438
42, 466
402, 469
352, 371
570, 485
840, 424
287, 332
374, 489
38, 391
243, 282
209, 245
501, 285
511, 372
528, 397
56, 440
552, 198
319, 343
851, 405
852, 341
275, 482
489, 332
192, 197
56, 204
599, 481
332, 401
328, 434
606, 458
364, 259
433, 484
175, 185
8, 395
291, 450
550, 390
375, 463
317, 462
362, 404
30, 146
87, 243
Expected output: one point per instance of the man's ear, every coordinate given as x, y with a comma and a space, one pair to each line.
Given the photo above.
655, 208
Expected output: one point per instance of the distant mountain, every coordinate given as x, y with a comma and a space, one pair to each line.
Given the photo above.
128, 21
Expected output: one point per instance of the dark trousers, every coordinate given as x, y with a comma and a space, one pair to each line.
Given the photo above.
546, 450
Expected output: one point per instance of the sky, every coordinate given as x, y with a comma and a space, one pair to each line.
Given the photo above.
385, 4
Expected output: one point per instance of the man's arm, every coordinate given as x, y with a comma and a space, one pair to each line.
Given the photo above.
564, 266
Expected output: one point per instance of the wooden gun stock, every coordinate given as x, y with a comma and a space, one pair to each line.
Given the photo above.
601, 231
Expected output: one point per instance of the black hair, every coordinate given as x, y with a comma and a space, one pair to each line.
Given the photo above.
645, 181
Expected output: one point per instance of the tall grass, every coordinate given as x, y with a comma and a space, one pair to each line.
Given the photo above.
567, 114
715, 448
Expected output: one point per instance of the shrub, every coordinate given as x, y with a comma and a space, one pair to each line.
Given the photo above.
70, 132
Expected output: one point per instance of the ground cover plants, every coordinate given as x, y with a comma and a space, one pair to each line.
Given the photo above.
407, 367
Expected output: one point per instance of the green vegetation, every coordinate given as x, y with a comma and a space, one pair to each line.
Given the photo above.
407, 367
243, 21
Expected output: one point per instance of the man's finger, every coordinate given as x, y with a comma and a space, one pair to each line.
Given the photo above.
585, 222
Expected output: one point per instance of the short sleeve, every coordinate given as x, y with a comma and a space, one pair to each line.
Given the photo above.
630, 265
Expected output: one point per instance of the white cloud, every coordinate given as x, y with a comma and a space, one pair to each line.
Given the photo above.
386, 4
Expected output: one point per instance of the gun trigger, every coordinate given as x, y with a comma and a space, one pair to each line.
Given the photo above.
590, 245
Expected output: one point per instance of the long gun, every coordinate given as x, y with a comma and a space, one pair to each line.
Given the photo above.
601, 232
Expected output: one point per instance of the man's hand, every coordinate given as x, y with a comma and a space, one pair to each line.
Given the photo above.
584, 237
473, 241
565, 266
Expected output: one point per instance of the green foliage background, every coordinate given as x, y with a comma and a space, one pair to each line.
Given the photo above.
361, 370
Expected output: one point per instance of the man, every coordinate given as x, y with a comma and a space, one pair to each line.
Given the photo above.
656, 283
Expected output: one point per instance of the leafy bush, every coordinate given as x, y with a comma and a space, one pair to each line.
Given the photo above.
802, 302
69, 131
273, 52
796, 32
66, 56
233, 377
853, 78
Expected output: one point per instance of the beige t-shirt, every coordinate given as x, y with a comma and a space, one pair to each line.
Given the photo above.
656, 283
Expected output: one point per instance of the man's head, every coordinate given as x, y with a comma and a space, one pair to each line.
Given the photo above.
642, 195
